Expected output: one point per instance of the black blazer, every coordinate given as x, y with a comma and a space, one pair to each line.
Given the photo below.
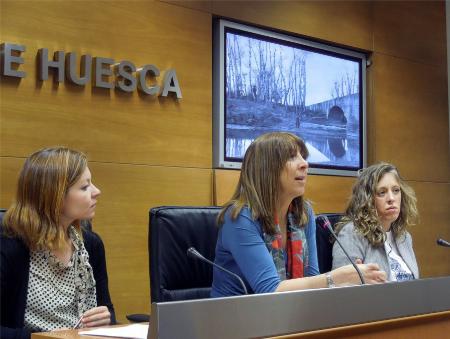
14, 273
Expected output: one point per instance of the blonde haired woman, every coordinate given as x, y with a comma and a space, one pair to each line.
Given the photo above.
267, 234
374, 228
53, 271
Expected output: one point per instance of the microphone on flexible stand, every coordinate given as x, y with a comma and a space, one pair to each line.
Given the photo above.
442, 242
193, 253
327, 224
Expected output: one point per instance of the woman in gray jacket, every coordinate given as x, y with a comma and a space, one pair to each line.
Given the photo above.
373, 229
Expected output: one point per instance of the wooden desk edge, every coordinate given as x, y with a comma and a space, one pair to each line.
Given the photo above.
73, 334
372, 327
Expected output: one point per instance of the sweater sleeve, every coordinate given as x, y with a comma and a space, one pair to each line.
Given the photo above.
244, 240
14, 333
313, 266
13, 281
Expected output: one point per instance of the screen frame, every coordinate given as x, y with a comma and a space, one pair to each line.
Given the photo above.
220, 27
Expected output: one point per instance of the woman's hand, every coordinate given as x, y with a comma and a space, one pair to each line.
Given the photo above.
347, 275
97, 316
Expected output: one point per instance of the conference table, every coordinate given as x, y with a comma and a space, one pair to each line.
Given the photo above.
414, 309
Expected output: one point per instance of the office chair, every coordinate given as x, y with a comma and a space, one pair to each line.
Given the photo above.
325, 240
173, 275
2, 211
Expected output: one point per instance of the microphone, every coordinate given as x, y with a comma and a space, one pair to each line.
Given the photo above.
194, 254
327, 224
442, 242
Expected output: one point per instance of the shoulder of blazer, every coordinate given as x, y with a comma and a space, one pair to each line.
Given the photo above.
15, 265
351, 229
405, 237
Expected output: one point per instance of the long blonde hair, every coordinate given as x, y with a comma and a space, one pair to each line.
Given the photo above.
362, 211
43, 183
259, 181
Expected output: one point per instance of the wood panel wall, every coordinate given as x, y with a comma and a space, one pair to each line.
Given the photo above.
409, 118
146, 152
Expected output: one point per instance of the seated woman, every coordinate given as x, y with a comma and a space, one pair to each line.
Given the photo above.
52, 271
267, 234
373, 229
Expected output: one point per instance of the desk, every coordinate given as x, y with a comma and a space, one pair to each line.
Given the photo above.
428, 326
67, 334
414, 309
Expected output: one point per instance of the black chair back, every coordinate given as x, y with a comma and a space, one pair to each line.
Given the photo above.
2, 212
173, 229
325, 240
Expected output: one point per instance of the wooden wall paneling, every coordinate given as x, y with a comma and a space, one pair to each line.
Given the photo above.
433, 203
9, 174
205, 6
411, 125
328, 194
343, 22
412, 30
113, 126
225, 182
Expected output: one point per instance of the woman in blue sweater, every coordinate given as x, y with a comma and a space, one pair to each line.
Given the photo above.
267, 234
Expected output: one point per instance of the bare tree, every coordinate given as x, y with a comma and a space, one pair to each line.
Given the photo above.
262, 74
346, 85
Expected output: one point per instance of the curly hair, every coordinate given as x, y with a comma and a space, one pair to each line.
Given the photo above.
258, 186
362, 211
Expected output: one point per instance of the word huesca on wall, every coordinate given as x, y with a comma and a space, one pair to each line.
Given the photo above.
98, 70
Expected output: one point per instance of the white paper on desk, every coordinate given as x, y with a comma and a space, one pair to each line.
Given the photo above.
137, 331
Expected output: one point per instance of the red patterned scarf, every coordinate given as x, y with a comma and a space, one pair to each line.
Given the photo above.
290, 263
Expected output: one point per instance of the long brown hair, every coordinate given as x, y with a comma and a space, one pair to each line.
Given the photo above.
362, 211
43, 183
259, 181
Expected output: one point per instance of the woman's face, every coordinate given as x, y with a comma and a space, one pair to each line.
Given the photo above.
388, 198
293, 178
80, 200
